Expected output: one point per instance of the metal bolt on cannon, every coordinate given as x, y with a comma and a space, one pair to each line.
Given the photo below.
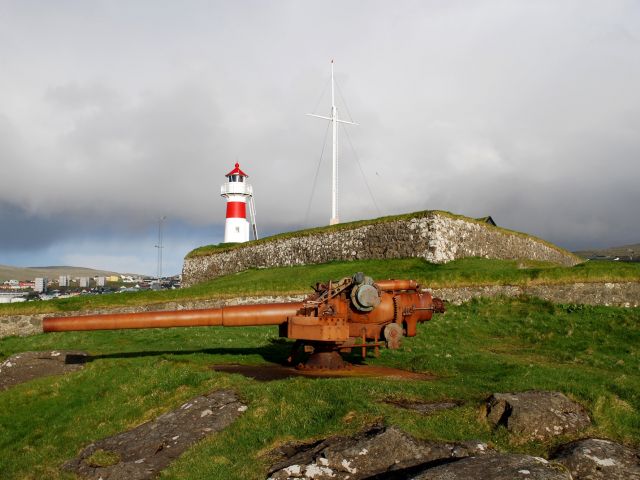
355, 312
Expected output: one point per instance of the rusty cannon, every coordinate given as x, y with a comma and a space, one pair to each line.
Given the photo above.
355, 312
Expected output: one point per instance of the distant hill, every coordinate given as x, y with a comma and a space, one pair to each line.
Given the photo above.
625, 252
8, 272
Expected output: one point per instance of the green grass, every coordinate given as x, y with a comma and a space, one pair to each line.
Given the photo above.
103, 458
223, 247
592, 354
292, 280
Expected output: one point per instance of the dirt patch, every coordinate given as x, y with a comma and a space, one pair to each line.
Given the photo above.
267, 373
22, 367
425, 408
147, 449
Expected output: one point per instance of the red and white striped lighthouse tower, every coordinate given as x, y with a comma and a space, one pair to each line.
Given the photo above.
237, 192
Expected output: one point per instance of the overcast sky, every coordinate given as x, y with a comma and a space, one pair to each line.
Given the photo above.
114, 113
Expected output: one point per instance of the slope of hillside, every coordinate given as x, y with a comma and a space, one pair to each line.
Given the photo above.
630, 252
8, 272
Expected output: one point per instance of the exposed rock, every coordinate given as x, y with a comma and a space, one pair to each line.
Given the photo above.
142, 452
500, 466
377, 451
435, 236
536, 415
595, 459
26, 366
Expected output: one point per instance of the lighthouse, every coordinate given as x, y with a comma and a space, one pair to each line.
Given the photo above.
238, 193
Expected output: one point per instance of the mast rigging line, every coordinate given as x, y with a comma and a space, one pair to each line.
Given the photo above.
344, 101
315, 178
355, 154
364, 177
324, 90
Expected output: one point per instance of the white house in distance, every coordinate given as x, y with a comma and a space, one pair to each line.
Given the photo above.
237, 192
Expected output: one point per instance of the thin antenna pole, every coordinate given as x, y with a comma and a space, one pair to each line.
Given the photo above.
159, 246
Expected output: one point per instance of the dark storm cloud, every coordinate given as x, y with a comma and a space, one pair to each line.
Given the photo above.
24, 231
527, 111
21, 231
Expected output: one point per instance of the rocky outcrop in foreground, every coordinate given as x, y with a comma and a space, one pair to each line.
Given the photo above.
377, 451
388, 453
597, 459
141, 453
536, 415
500, 466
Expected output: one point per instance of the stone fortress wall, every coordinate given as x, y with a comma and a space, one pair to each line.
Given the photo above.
438, 237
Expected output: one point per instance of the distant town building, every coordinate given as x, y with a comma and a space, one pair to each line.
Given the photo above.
100, 281
84, 282
11, 284
12, 297
113, 278
63, 281
40, 285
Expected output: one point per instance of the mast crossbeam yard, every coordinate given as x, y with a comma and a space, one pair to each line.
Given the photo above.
329, 118
335, 218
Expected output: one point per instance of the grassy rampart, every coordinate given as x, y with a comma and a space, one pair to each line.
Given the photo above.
223, 247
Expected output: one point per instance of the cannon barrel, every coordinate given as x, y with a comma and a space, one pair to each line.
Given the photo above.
233, 316
337, 317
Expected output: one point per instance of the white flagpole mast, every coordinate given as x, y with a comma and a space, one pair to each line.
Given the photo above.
334, 177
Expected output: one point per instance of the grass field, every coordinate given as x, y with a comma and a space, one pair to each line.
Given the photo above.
592, 354
285, 280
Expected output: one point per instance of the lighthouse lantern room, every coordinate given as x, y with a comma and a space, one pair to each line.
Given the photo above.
238, 193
